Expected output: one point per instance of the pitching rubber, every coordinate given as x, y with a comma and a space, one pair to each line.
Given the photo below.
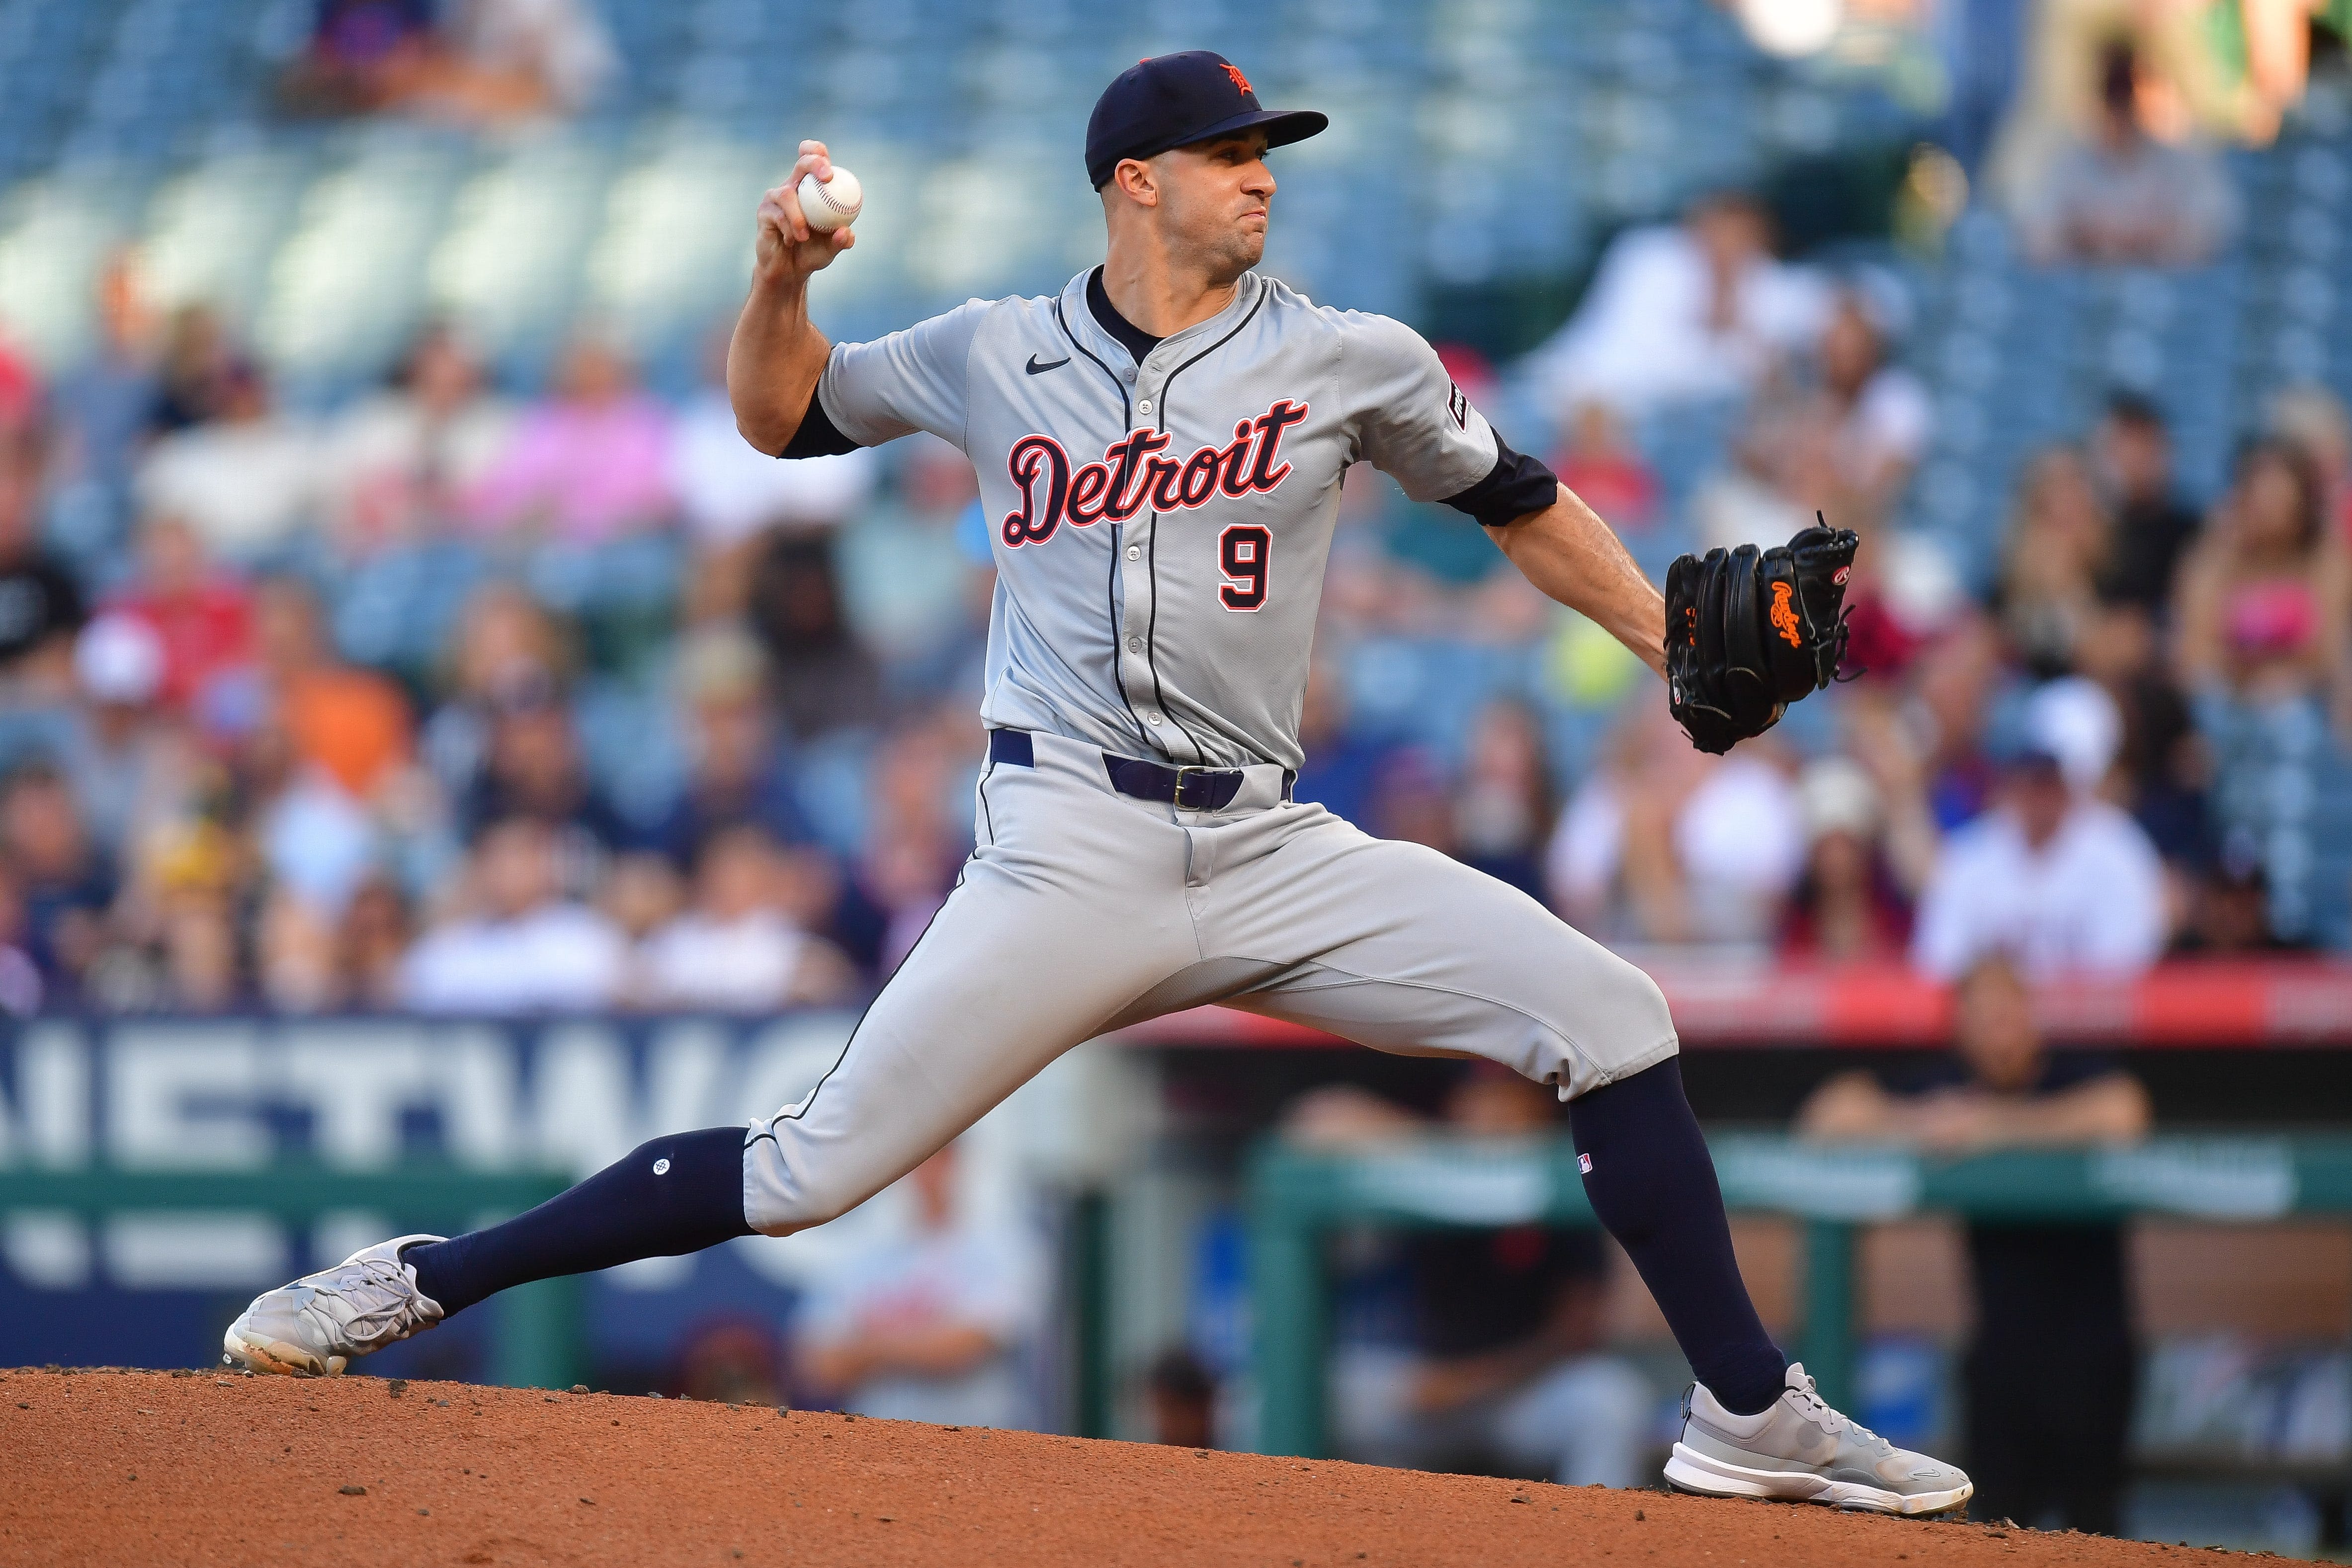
1691, 1471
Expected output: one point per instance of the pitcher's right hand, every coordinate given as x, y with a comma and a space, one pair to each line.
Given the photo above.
789, 250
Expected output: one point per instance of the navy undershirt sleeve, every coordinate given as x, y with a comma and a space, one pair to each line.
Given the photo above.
817, 436
1516, 486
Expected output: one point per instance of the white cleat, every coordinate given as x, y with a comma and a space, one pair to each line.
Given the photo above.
1798, 1449
313, 1327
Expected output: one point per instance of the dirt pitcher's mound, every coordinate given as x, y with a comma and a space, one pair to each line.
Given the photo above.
146, 1467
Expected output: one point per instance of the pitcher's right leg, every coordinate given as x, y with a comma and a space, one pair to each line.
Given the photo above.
1072, 910
1009, 977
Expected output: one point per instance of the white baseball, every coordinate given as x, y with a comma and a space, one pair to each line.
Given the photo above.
834, 204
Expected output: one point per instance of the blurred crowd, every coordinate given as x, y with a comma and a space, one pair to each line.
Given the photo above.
646, 719
2104, 752
464, 62
453, 699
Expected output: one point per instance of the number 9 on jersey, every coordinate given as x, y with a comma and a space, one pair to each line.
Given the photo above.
1242, 551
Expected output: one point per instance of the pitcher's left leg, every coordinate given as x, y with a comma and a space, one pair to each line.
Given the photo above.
1399, 947
1402, 948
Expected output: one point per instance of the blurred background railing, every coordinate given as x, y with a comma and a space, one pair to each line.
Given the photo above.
1297, 1196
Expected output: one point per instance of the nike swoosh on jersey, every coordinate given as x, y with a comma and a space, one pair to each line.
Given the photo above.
1035, 369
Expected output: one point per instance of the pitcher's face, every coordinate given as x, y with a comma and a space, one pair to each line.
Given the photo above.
1214, 202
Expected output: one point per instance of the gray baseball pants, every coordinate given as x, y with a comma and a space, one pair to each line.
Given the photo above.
1084, 911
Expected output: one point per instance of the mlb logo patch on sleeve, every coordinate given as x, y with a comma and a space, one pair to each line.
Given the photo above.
1457, 405
1584, 1164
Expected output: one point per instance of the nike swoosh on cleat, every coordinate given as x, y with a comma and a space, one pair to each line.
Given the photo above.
1037, 369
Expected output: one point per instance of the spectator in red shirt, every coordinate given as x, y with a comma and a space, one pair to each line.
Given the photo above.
203, 616
1607, 472
20, 390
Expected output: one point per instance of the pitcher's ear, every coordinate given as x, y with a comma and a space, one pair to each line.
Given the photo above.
1137, 180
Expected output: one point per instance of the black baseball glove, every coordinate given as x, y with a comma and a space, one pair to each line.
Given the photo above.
1748, 631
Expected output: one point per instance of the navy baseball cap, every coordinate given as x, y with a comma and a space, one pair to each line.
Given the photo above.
1174, 101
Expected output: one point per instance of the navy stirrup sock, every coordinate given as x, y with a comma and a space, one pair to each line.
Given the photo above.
675, 1195
1652, 1184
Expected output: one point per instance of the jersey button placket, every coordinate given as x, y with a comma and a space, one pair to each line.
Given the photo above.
1139, 595
1134, 621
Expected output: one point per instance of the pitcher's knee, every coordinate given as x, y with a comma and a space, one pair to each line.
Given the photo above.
1584, 1026
782, 1210
786, 1193
1616, 1021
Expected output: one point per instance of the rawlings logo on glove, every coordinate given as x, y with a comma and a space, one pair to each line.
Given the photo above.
1750, 631
1784, 618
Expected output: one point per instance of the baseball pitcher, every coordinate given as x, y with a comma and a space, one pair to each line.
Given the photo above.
1160, 447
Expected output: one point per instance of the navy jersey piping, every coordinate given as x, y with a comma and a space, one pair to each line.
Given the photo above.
847, 1045
1125, 414
986, 816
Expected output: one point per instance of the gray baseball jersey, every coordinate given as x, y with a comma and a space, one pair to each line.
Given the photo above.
1161, 528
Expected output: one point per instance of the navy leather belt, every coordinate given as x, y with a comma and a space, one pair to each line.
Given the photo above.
1186, 787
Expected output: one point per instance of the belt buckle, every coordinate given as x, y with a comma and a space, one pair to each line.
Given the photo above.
1193, 770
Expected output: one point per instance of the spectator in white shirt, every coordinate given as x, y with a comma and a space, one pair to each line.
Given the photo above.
2053, 877
730, 491
399, 460
1698, 310
245, 481
928, 1325
1666, 844
524, 57
522, 949
735, 950
1843, 446
1880, 413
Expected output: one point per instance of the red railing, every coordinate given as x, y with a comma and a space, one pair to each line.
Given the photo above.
1747, 1002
